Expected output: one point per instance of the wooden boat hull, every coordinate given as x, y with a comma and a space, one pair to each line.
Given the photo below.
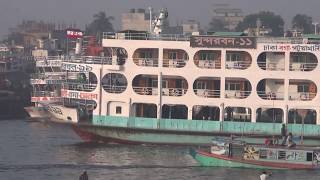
208, 159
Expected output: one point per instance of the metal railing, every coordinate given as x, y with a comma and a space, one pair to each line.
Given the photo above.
44, 94
149, 62
209, 64
145, 36
79, 86
237, 64
236, 94
271, 95
114, 89
165, 91
89, 60
207, 93
302, 96
271, 66
303, 66
280, 40
174, 63
52, 76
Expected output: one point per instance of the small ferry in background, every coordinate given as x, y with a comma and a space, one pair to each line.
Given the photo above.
238, 154
141, 87
46, 83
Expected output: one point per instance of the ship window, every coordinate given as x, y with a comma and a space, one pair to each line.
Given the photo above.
146, 54
309, 156
233, 57
206, 56
303, 88
232, 86
164, 83
172, 55
299, 59
201, 85
118, 110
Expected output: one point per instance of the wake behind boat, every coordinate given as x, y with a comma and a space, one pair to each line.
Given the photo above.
238, 154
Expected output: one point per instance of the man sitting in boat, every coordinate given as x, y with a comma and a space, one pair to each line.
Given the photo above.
290, 142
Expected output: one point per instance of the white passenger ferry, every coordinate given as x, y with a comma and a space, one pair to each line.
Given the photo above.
46, 84
175, 89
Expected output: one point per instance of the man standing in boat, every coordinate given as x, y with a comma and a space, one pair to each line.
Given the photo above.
265, 175
284, 134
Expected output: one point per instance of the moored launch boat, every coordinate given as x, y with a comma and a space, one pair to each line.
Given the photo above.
238, 154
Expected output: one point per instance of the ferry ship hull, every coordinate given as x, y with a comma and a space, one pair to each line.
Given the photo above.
136, 131
36, 113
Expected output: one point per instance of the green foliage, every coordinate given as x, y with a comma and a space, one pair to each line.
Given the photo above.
101, 23
217, 25
268, 19
302, 22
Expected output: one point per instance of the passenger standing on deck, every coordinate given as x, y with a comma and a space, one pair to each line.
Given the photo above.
84, 176
283, 134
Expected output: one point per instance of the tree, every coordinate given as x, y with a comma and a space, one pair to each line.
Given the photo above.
268, 20
303, 23
217, 25
101, 23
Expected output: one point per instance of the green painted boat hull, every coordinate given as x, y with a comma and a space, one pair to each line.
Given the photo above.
215, 162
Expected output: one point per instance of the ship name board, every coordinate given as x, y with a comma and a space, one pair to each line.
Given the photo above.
223, 42
78, 95
292, 47
75, 67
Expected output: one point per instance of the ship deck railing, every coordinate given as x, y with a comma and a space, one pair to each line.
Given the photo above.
89, 59
207, 93
79, 86
302, 66
209, 64
44, 94
165, 91
149, 62
271, 66
181, 37
114, 88
236, 94
49, 75
301, 96
174, 63
238, 64
269, 95
145, 36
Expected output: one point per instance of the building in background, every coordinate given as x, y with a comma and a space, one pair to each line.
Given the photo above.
136, 19
191, 26
231, 16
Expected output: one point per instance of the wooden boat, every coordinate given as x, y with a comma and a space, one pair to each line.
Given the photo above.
238, 154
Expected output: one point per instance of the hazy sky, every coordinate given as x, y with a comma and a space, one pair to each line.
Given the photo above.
81, 11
